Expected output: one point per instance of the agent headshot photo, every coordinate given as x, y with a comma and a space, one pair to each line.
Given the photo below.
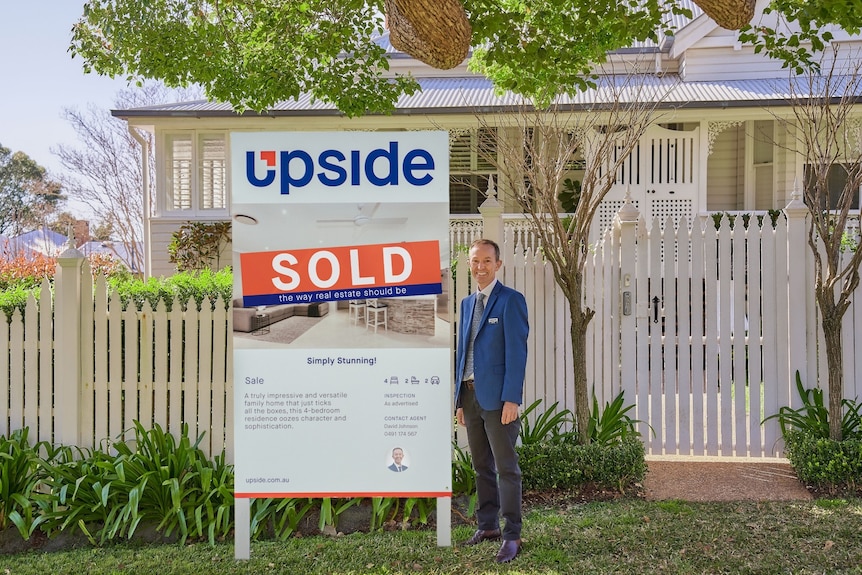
397, 459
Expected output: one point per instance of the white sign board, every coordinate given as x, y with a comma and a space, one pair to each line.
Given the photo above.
341, 323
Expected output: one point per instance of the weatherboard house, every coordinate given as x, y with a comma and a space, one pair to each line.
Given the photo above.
717, 147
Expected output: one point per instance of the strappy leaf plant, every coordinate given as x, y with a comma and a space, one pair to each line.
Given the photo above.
813, 417
549, 426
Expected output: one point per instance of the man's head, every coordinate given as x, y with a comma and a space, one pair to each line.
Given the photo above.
484, 261
397, 455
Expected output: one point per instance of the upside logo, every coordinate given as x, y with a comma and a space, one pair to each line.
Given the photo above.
334, 168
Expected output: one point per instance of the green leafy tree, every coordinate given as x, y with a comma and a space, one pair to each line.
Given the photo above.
255, 53
27, 194
794, 31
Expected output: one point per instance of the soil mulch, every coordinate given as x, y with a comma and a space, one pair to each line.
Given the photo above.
687, 480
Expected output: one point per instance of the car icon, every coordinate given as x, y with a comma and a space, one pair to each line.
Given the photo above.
435, 380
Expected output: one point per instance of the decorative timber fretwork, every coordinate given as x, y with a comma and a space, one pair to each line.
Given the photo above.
716, 128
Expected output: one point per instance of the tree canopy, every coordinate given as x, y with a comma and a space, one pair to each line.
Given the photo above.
255, 53
27, 195
797, 47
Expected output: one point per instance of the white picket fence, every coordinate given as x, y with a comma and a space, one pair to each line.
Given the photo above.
706, 348
85, 380
717, 324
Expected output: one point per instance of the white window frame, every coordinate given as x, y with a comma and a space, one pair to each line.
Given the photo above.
195, 206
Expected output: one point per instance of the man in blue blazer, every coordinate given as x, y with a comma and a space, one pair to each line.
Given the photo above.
489, 385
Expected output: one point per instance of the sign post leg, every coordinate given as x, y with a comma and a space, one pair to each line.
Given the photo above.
444, 522
242, 529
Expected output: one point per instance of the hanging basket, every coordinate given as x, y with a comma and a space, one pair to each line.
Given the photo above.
729, 14
436, 32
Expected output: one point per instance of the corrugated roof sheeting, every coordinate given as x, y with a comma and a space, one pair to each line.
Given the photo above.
442, 95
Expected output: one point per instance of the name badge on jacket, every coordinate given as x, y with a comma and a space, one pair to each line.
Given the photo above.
493, 320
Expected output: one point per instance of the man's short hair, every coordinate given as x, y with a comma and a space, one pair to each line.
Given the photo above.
487, 242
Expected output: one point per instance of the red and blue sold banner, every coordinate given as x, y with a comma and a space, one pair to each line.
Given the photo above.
341, 273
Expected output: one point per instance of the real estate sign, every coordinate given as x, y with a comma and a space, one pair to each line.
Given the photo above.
342, 334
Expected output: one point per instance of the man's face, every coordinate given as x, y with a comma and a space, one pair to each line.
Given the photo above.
397, 456
484, 264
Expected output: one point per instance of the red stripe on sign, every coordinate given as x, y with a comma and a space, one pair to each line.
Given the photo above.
315, 495
346, 267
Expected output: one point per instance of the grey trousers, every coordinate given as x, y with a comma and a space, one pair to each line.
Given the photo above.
498, 476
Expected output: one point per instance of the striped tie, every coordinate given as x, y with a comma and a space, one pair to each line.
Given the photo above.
478, 309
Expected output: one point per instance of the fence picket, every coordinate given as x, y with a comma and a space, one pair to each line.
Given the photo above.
88, 354
5, 336
130, 383
205, 373
101, 415
221, 340
46, 377
31, 366
161, 372
738, 339
16, 372
145, 362
755, 336
710, 379
697, 297
176, 357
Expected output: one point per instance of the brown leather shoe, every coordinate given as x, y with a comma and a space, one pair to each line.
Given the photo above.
508, 550
483, 535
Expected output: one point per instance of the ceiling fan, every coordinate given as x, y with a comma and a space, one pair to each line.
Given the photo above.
364, 217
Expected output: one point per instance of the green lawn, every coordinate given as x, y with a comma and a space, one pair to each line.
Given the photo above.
627, 536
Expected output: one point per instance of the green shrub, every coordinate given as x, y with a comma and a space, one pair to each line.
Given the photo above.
15, 297
194, 286
567, 465
826, 465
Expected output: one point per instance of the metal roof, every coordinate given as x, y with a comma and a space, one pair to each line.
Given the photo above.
474, 94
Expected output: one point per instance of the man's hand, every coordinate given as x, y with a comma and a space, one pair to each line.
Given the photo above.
510, 412
459, 415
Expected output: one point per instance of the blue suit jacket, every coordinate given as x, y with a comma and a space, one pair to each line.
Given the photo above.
499, 350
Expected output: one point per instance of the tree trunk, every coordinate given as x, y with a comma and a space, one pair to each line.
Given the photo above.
436, 32
835, 365
578, 334
729, 14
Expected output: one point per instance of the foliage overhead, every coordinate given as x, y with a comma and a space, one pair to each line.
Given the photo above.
255, 53
251, 53
797, 47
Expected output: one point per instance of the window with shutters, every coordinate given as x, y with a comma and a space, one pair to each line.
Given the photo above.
195, 181
472, 154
